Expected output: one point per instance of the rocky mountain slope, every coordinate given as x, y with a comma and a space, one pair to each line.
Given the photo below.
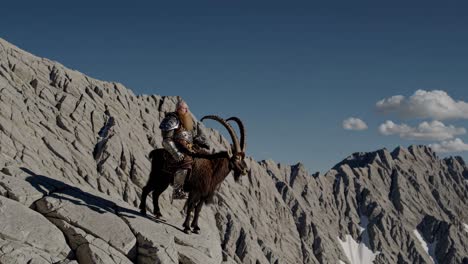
74, 157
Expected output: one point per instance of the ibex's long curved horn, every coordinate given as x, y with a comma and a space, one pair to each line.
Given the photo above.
229, 128
241, 129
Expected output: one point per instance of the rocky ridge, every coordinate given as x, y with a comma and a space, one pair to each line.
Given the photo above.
74, 157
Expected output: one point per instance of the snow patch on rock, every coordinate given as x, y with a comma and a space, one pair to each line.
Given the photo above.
357, 253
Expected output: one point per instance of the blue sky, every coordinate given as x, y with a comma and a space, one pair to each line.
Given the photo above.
292, 70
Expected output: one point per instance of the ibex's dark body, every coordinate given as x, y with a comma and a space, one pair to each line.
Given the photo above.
208, 172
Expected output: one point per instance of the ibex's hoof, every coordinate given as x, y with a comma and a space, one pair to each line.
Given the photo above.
158, 215
143, 212
187, 231
196, 231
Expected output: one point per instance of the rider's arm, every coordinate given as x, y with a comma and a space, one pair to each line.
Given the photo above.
169, 124
170, 146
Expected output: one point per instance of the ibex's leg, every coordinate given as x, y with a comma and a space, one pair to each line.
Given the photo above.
144, 194
195, 226
190, 206
157, 192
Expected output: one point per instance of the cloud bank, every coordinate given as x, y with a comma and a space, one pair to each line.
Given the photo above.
455, 145
434, 130
436, 105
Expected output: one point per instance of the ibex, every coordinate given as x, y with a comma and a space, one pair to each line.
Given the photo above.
208, 171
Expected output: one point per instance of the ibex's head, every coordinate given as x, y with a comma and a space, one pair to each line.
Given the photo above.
237, 160
238, 165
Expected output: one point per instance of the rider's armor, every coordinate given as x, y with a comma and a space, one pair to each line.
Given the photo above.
179, 141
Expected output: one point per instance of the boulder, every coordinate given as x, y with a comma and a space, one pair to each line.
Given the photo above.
28, 235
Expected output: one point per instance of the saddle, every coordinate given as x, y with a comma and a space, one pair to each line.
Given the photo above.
171, 165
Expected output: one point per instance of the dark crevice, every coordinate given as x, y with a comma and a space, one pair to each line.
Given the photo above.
394, 194
76, 107
60, 102
228, 232
88, 92
98, 91
117, 88
128, 102
132, 168
60, 123
123, 159
92, 122
241, 247
121, 103
161, 103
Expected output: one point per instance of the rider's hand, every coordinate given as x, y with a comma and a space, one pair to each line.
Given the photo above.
179, 157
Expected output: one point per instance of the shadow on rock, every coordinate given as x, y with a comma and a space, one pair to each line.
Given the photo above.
57, 189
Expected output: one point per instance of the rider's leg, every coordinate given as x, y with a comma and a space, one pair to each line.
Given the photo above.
179, 179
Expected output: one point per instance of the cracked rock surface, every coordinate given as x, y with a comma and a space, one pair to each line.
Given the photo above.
74, 158
32, 237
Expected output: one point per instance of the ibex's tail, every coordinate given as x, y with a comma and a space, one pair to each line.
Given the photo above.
152, 154
155, 152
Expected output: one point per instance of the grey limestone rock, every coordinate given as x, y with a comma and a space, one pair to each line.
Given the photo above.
74, 158
93, 213
27, 235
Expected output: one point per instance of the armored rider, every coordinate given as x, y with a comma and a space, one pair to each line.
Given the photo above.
180, 139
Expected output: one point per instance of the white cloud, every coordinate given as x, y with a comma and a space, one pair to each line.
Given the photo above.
391, 103
455, 145
434, 104
353, 123
434, 130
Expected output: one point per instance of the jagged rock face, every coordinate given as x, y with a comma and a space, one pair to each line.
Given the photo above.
72, 149
395, 192
74, 157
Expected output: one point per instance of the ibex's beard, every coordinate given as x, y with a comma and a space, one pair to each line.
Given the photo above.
187, 121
